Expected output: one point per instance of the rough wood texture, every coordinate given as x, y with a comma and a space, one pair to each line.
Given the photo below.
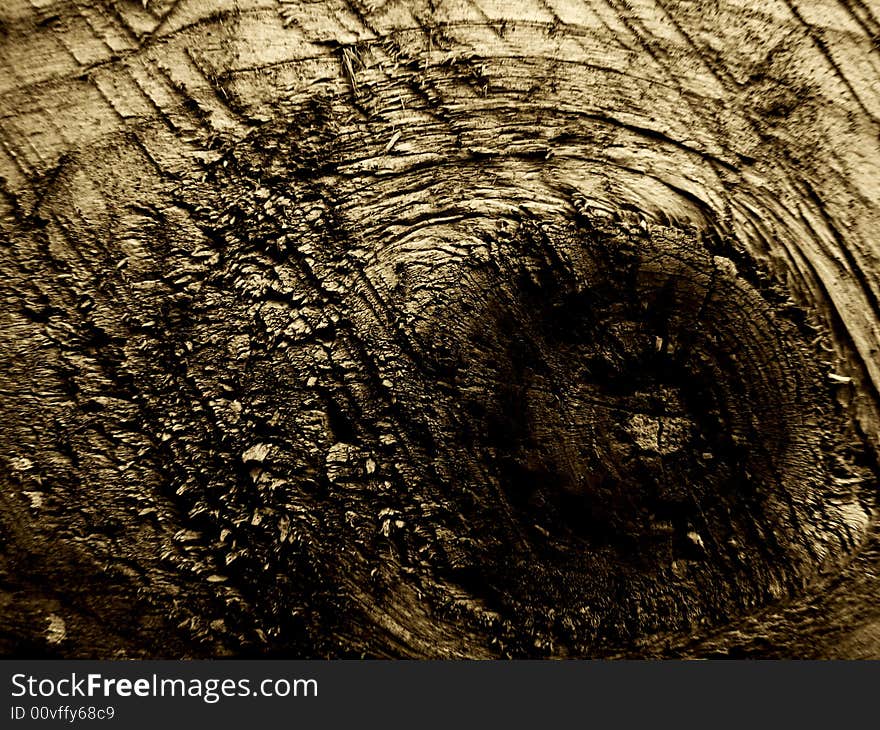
439, 329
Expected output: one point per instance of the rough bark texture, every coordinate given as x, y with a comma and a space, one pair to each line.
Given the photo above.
442, 328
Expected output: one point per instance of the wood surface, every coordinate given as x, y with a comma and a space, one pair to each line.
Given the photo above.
442, 328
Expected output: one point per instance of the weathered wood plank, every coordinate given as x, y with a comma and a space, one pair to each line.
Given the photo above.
467, 328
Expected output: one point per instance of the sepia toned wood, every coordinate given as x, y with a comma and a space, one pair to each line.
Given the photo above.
442, 328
